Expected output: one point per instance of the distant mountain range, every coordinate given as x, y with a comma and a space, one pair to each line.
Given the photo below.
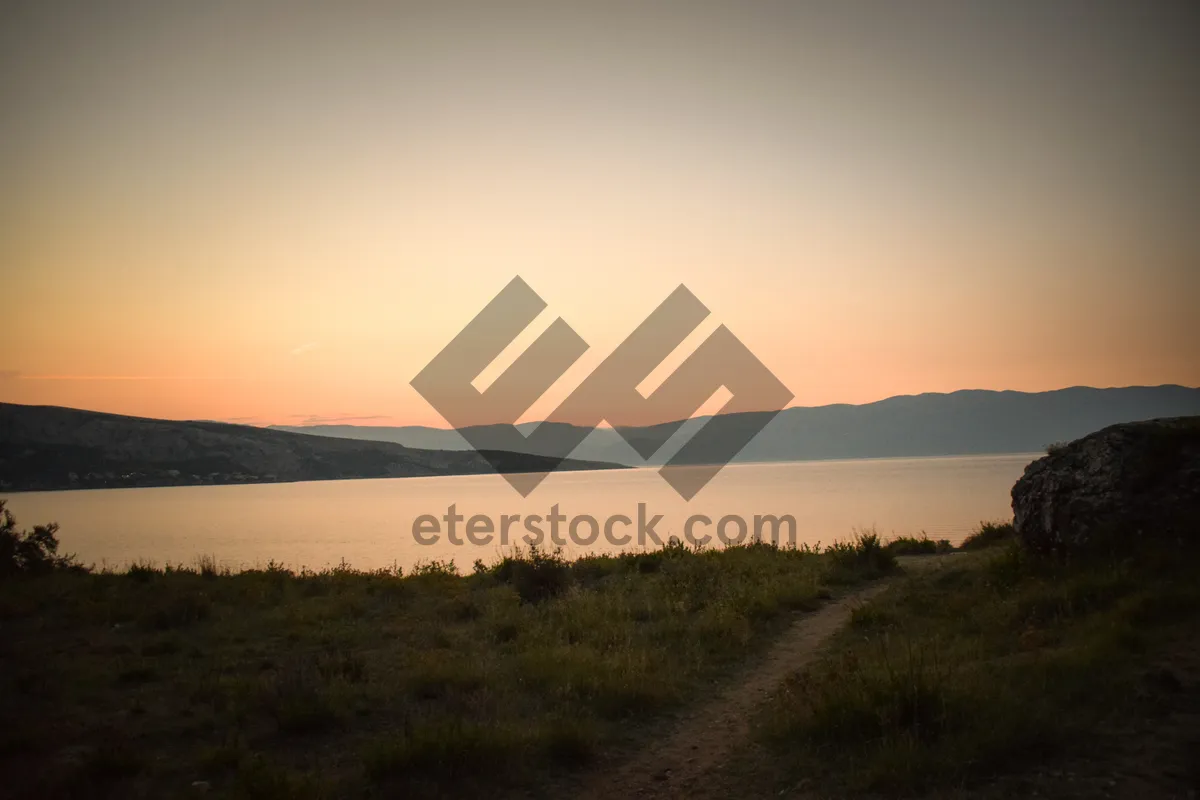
46, 447
959, 423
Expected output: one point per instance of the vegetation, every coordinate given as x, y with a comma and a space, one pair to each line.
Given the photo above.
918, 546
29, 551
93, 450
863, 556
994, 663
989, 534
270, 683
267, 683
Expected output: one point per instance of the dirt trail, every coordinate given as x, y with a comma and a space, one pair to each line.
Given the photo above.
700, 742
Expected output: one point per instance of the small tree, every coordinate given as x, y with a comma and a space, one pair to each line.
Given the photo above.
29, 551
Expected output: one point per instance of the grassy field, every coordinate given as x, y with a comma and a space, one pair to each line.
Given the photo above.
977, 664
997, 663
271, 684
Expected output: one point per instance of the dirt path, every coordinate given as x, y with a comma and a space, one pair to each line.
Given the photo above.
703, 739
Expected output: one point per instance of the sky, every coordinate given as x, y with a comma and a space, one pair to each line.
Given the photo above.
280, 213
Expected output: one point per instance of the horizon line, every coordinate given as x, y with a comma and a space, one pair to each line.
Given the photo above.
244, 421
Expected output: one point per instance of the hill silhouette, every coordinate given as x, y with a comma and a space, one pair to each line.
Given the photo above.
47, 447
958, 423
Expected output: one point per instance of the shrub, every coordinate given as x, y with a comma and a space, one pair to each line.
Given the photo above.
590, 570
918, 546
207, 567
434, 568
536, 577
864, 556
142, 571
29, 551
988, 534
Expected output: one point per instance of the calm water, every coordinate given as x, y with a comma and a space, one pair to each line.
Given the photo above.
369, 523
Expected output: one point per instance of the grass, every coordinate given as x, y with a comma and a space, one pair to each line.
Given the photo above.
988, 534
918, 546
863, 555
995, 663
267, 683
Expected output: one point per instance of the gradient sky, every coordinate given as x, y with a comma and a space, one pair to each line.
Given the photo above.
279, 213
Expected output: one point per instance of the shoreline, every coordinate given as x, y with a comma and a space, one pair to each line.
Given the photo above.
7, 492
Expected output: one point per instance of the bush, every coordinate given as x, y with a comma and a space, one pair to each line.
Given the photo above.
536, 577
653, 560
864, 556
29, 551
429, 569
914, 546
988, 534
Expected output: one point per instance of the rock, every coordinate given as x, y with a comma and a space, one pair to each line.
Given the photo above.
1114, 488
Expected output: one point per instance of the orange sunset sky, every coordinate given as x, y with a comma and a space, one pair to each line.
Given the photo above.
279, 213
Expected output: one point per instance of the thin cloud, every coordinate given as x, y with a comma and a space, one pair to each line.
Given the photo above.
21, 377
304, 348
335, 420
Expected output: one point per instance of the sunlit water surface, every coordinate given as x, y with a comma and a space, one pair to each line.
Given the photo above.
369, 523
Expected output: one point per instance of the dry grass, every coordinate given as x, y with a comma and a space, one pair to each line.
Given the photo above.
273, 684
992, 665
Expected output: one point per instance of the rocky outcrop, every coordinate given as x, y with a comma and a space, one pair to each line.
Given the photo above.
1117, 487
